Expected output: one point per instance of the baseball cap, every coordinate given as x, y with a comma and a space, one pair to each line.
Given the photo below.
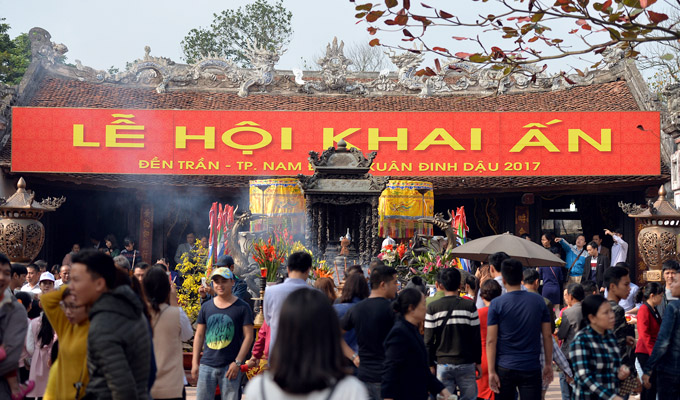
224, 261
223, 272
46, 276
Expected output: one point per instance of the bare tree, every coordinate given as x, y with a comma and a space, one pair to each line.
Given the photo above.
662, 60
366, 58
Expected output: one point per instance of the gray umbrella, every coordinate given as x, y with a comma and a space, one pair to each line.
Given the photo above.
527, 252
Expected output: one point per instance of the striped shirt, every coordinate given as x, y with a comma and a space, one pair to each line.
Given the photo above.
452, 332
595, 362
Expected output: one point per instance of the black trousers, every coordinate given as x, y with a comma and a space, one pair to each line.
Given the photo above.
528, 383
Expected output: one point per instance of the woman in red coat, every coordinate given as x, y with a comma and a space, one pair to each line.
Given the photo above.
648, 324
490, 290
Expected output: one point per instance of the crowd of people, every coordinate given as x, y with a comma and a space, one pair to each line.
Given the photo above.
105, 325
96, 332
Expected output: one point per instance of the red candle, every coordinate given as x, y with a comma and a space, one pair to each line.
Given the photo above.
263, 272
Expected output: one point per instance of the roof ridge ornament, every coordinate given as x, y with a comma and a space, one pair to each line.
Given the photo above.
218, 72
334, 67
42, 47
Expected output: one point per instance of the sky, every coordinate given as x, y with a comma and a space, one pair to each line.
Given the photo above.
105, 34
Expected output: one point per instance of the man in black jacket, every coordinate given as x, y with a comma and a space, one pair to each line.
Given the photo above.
452, 338
118, 342
595, 265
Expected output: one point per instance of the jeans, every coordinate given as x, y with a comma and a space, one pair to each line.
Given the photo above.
210, 377
647, 394
528, 383
565, 387
667, 386
374, 390
460, 376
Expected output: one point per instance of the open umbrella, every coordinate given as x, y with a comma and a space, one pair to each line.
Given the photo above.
528, 253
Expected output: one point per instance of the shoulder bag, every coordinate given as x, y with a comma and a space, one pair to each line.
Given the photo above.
566, 278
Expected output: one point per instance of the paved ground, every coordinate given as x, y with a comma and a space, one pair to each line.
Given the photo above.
553, 392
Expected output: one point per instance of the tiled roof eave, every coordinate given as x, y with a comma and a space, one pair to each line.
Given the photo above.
60, 92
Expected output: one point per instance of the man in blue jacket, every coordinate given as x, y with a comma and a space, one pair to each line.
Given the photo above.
576, 257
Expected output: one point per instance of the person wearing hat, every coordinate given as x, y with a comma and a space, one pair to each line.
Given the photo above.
240, 288
669, 269
46, 282
224, 334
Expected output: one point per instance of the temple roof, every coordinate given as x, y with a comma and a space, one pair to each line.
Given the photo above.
63, 92
216, 84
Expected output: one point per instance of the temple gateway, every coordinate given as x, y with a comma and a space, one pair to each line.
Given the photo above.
144, 152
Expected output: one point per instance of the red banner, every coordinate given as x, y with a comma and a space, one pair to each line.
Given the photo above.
277, 143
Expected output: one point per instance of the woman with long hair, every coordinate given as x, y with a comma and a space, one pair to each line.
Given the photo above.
406, 373
310, 366
648, 325
355, 290
490, 290
68, 375
111, 245
171, 327
327, 286
39, 341
552, 277
594, 355
483, 274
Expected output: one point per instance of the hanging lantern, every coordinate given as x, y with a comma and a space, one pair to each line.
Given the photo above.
401, 204
281, 200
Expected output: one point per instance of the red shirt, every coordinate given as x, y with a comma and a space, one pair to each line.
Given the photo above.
261, 346
648, 329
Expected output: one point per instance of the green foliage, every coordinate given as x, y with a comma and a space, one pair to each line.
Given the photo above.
15, 55
266, 24
662, 78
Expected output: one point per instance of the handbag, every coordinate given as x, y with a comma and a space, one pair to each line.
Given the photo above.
566, 278
630, 385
